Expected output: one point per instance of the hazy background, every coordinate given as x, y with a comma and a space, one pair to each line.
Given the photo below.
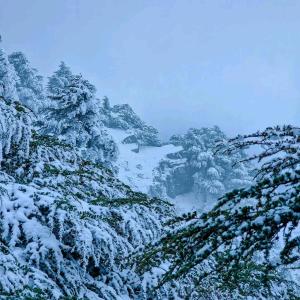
178, 63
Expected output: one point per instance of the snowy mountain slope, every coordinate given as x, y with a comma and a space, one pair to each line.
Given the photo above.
73, 220
137, 168
197, 175
66, 223
185, 171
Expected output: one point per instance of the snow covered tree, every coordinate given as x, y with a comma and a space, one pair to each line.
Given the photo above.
30, 84
106, 104
198, 169
65, 228
72, 107
123, 117
146, 136
60, 79
66, 223
15, 119
253, 225
73, 116
8, 78
15, 132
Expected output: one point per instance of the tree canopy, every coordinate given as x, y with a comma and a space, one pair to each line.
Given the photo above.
257, 224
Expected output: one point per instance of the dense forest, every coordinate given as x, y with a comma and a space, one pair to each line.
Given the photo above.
94, 205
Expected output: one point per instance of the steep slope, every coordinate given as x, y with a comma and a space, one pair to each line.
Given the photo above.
137, 168
67, 224
73, 220
139, 150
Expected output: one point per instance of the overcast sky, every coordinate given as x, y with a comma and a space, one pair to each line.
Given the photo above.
179, 64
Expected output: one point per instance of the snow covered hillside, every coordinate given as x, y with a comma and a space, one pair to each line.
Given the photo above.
86, 192
137, 168
185, 170
118, 138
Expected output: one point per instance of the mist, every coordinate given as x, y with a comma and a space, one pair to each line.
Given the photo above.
179, 64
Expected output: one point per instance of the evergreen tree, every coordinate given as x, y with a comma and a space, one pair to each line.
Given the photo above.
15, 120
123, 117
8, 78
198, 169
64, 229
145, 136
64, 226
30, 84
73, 115
255, 225
106, 104
72, 108
59, 80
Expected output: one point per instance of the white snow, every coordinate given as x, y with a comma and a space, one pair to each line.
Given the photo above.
136, 169
188, 202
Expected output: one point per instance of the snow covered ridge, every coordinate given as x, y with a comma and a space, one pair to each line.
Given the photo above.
136, 168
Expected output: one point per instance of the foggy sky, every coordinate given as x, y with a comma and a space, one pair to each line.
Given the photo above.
179, 64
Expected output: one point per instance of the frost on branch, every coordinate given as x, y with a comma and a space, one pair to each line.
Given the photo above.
256, 225
66, 223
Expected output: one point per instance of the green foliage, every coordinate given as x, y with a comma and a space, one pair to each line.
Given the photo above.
244, 223
19, 107
47, 141
134, 199
28, 293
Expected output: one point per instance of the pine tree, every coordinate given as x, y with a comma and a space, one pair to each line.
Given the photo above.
59, 80
253, 225
106, 104
8, 78
198, 169
72, 107
146, 136
64, 227
30, 84
123, 117
73, 116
